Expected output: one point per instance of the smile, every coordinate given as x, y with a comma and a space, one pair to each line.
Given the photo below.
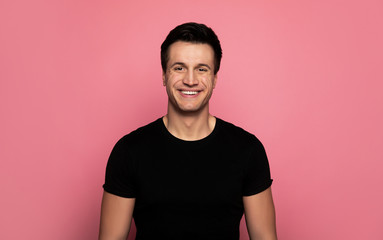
189, 92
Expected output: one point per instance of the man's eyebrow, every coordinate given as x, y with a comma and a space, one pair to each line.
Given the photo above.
178, 63
204, 65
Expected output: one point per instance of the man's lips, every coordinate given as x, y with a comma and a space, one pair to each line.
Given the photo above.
189, 93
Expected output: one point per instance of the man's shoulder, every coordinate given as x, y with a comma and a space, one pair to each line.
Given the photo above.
234, 129
143, 134
236, 133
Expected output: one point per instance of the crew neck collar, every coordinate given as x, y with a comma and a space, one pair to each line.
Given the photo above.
175, 139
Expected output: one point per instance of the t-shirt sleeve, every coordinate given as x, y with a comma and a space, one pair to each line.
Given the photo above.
257, 171
119, 176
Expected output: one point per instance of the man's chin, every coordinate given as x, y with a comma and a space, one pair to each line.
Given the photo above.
189, 110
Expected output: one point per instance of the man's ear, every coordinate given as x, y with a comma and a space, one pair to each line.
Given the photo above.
163, 78
215, 80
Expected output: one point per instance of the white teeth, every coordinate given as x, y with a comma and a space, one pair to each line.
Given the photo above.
189, 92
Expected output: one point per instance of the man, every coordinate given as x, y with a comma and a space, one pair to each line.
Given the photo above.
188, 175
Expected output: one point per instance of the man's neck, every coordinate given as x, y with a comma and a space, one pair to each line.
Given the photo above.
189, 126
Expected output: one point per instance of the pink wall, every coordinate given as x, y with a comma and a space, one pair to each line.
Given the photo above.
304, 76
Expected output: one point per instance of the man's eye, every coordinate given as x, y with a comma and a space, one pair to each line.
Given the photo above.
202, 69
178, 68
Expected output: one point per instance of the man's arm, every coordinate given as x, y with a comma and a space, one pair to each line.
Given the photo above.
260, 216
116, 216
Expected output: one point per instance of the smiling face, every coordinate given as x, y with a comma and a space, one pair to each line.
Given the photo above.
189, 76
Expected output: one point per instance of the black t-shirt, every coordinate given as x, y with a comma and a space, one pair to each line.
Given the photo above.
187, 189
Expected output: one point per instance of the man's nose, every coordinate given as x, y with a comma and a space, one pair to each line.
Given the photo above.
190, 78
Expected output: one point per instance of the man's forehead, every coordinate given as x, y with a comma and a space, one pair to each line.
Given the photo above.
188, 49
182, 45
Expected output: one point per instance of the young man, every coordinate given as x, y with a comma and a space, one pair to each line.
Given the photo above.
188, 175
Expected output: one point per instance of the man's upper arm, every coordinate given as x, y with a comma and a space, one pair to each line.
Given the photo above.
260, 215
116, 217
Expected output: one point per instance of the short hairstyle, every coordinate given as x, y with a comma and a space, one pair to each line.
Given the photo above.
194, 33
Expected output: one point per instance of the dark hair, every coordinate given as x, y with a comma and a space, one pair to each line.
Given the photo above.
194, 33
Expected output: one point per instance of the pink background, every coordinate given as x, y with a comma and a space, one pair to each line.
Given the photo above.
304, 76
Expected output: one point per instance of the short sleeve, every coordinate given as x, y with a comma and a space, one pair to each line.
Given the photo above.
257, 171
119, 176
